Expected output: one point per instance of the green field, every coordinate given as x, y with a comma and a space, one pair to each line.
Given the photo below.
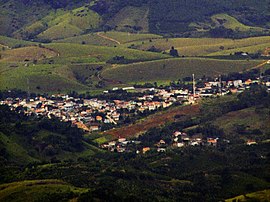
205, 46
39, 78
174, 69
262, 196
11, 42
25, 54
102, 53
39, 190
126, 37
89, 39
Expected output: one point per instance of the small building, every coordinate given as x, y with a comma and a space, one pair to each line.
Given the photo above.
145, 149
212, 141
251, 142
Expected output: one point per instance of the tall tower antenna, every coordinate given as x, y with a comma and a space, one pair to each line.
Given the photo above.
220, 85
193, 78
28, 89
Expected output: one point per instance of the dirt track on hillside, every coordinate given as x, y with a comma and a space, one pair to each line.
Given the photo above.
154, 120
108, 38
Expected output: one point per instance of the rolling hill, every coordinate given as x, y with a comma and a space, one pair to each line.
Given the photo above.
62, 24
204, 46
29, 53
174, 69
131, 18
43, 20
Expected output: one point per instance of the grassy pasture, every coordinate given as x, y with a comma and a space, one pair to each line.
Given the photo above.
174, 69
59, 31
27, 54
249, 49
39, 78
126, 37
204, 46
102, 53
11, 42
89, 39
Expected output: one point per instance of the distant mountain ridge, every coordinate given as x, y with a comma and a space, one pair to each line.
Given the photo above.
191, 18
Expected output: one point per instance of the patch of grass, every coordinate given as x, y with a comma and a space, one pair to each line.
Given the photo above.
101, 138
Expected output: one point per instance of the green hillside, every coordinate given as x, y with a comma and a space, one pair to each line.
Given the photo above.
29, 53
204, 46
174, 69
131, 18
16, 152
43, 78
16, 14
25, 140
249, 120
111, 38
126, 37
89, 39
102, 53
249, 49
69, 24
9, 42
255, 196
230, 22
39, 190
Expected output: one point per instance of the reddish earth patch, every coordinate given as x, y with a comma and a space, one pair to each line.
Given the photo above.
154, 120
